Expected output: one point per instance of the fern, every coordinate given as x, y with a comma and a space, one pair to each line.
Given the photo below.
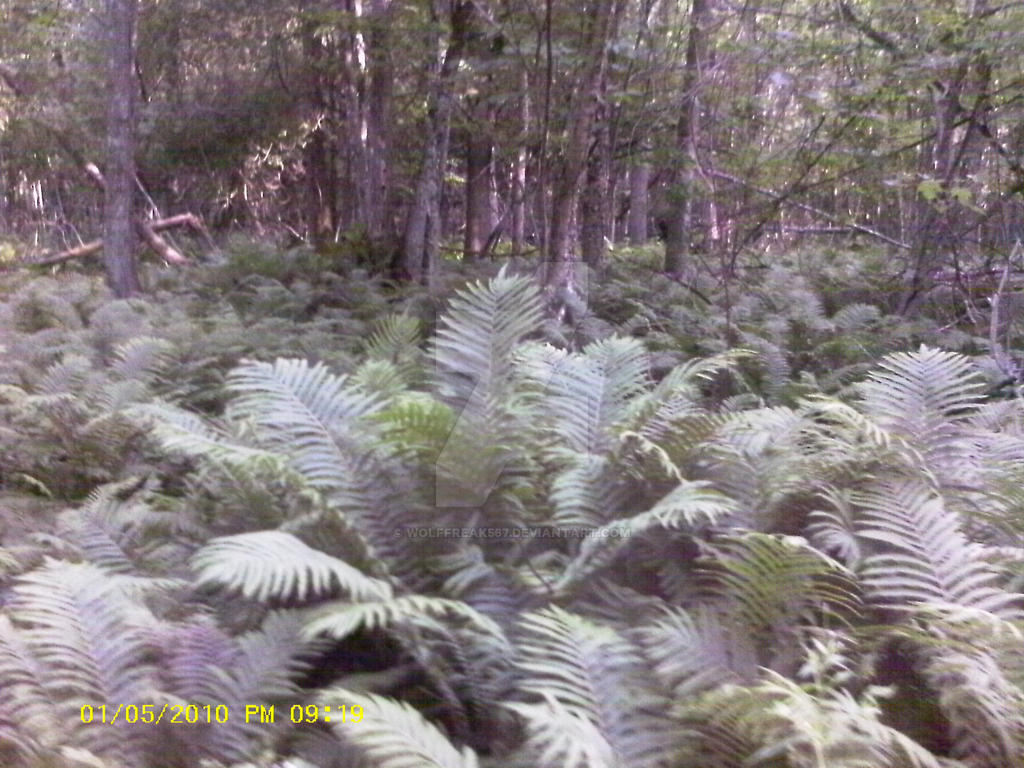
305, 412
586, 674
341, 620
780, 722
686, 507
474, 354
90, 647
273, 565
925, 557
395, 339
919, 396
475, 338
773, 585
392, 734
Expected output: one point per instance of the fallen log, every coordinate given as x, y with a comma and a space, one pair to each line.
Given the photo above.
147, 232
160, 247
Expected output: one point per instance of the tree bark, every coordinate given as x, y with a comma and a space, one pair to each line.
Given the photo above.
321, 182
595, 205
639, 202
518, 194
479, 189
119, 226
582, 111
422, 242
684, 177
376, 122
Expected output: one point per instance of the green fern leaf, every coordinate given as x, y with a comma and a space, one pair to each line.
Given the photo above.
273, 565
339, 620
391, 734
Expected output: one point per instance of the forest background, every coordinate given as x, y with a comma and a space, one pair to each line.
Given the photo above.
399, 134
702, 319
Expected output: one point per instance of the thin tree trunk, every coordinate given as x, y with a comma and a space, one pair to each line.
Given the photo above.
321, 186
932, 228
518, 194
639, 202
683, 186
321, 189
595, 205
119, 235
479, 191
582, 112
378, 121
422, 242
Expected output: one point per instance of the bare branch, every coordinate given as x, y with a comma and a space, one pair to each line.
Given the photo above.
809, 208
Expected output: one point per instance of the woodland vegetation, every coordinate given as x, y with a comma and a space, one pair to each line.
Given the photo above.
617, 384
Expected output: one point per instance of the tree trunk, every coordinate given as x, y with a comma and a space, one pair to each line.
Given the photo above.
639, 202
518, 194
118, 226
479, 193
321, 189
422, 243
684, 177
377, 123
932, 225
595, 205
321, 186
582, 111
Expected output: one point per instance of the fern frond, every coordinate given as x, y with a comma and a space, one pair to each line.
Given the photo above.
985, 709
306, 413
496, 591
94, 647
29, 718
559, 737
586, 491
779, 722
181, 431
595, 673
696, 650
143, 358
919, 396
775, 370
476, 336
688, 505
195, 656
854, 317
418, 425
587, 392
774, 583
339, 620
926, 558
391, 734
381, 378
396, 339
834, 531
69, 376
671, 414
84, 529
971, 659
274, 565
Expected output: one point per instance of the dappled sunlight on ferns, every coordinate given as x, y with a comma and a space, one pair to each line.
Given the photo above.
611, 555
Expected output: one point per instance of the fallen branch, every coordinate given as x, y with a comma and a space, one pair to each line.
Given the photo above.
86, 249
160, 246
147, 231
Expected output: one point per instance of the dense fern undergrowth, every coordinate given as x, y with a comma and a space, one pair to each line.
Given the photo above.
770, 526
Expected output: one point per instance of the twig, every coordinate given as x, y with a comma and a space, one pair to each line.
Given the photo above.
809, 208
